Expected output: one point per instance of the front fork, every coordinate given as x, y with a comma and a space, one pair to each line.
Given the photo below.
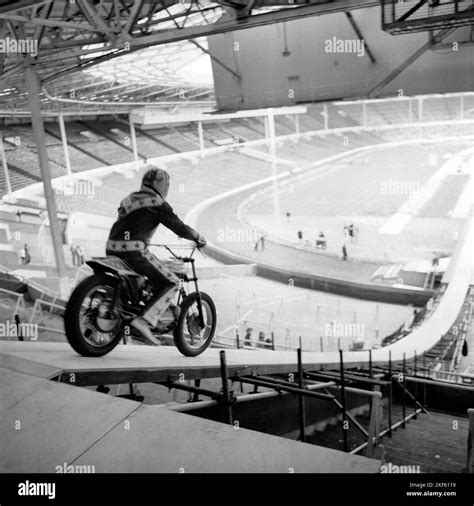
198, 295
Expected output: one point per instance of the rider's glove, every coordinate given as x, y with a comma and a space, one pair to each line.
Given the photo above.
200, 241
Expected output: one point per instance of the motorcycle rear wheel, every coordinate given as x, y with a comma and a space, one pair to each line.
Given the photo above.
84, 333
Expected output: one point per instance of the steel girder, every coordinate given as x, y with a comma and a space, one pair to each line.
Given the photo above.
71, 36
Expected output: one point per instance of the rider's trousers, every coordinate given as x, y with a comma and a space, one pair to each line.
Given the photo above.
165, 282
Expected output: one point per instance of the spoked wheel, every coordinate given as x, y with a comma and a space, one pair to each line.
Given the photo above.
190, 337
93, 326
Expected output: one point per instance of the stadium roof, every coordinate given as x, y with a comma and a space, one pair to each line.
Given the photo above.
121, 52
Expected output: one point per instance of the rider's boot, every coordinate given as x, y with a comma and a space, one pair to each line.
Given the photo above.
143, 327
158, 306
154, 311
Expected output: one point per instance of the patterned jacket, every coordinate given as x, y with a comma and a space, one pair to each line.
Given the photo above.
140, 214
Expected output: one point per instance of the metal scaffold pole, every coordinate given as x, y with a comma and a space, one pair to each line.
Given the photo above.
271, 136
62, 129
301, 401
133, 136
5, 166
225, 388
201, 139
34, 91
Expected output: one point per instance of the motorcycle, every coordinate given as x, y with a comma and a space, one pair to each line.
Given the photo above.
100, 308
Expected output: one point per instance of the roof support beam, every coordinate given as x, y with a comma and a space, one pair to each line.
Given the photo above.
359, 34
95, 19
22, 5
412, 10
167, 36
133, 17
419, 52
54, 23
214, 58
39, 31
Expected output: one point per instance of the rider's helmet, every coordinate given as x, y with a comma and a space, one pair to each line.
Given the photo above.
157, 180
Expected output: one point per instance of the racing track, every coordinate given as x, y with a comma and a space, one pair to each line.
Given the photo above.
309, 269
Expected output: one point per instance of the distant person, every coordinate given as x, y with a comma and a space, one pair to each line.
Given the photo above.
25, 255
465, 350
288, 217
415, 316
18, 328
80, 255
300, 235
248, 337
344, 252
261, 339
268, 342
260, 242
350, 230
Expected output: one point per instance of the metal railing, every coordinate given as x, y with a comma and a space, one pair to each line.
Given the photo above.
304, 384
19, 302
37, 313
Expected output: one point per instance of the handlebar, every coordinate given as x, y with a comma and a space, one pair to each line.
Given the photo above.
182, 259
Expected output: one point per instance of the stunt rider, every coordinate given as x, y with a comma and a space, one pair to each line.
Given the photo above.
138, 218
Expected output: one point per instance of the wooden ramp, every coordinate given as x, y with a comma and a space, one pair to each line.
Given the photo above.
46, 423
135, 363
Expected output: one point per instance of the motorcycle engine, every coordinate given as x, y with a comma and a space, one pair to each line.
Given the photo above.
105, 319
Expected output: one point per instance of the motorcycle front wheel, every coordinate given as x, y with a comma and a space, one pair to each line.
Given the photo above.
190, 337
93, 326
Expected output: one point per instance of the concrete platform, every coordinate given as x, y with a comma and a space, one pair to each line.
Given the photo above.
46, 424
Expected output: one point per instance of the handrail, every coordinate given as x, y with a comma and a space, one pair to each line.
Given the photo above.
430, 381
52, 305
10, 292
20, 300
